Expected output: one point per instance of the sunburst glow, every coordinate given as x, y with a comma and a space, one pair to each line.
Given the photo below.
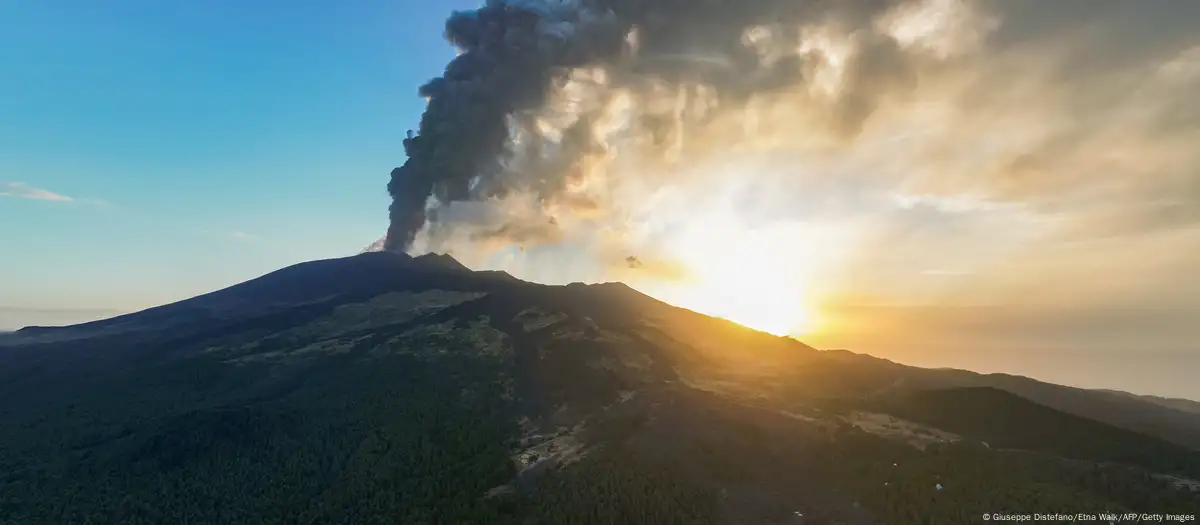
763, 278
750, 287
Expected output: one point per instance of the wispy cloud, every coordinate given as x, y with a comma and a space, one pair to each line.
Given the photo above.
22, 190
953, 204
947, 272
242, 236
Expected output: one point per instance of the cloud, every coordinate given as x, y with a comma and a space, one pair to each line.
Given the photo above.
376, 246
1035, 158
22, 190
944, 272
956, 204
242, 236
1072, 115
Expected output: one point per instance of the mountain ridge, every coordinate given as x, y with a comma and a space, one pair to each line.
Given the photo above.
383, 388
370, 272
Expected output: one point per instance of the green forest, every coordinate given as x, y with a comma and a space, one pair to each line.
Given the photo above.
424, 420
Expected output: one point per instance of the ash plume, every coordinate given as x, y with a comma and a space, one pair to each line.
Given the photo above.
596, 129
485, 130
961, 152
509, 52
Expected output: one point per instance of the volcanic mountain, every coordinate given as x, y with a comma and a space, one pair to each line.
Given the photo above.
383, 388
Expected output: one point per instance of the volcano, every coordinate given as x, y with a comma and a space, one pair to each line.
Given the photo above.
384, 388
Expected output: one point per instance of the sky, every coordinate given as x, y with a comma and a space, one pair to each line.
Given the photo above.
999, 186
151, 151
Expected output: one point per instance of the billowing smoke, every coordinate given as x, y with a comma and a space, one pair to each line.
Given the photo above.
540, 89
509, 53
738, 157
632, 136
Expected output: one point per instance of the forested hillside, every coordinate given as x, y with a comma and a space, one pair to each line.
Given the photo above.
441, 395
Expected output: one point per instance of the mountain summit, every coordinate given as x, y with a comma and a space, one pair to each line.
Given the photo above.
384, 388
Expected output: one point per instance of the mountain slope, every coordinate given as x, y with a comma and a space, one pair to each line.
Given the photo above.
1185, 405
324, 281
858, 375
989, 414
387, 389
1139, 413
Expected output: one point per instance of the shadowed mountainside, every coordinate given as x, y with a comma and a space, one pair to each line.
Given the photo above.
383, 388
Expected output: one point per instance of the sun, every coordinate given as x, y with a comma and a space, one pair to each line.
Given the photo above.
748, 288
749, 283
759, 278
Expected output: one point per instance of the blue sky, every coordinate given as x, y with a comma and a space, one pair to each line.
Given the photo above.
199, 143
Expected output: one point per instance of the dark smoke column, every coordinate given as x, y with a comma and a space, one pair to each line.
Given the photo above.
510, 52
